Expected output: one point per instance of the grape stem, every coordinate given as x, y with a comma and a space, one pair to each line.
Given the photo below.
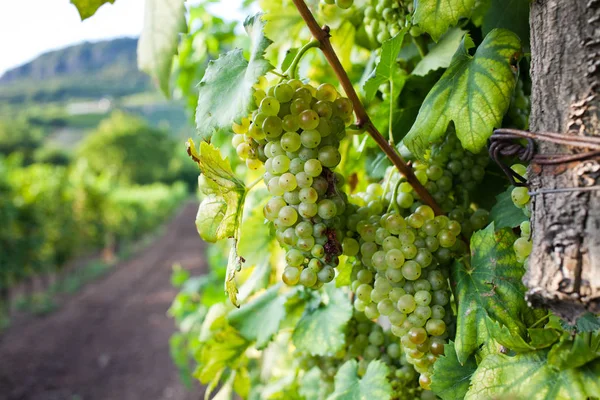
293, 68
362, 118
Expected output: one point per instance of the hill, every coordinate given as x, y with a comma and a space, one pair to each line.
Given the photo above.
87, 70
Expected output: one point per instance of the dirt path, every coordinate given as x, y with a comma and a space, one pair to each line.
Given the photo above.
110, 341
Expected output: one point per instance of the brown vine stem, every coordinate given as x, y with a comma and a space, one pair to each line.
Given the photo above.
362, 118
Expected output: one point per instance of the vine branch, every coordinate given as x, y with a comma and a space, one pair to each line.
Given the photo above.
362, 118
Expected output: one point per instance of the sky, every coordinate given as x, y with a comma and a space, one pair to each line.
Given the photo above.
29, 28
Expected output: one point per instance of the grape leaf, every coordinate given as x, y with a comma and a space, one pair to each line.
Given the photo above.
386, 68
543, 337
374, 383
224, 349
342, 40
225, 92
504, 213
220, 212
474, 92
506, 338
259, 319
490, 287
587, 322
572, 352
450, 379
441, 53
529, 376
320, 331
312, 386
87, 8
344, 275
436, 16
164, 21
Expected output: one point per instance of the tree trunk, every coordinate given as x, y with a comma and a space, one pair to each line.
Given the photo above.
564, 266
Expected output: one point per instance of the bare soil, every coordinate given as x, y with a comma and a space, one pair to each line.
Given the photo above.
110, 341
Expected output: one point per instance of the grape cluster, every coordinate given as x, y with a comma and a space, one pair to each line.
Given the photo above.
383, 19
451, 174
367, 341
400, 274
521, 198
343, 4
299, 128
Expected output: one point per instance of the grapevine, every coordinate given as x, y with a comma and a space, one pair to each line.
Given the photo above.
361, 265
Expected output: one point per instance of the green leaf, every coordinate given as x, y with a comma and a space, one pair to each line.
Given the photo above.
220, 212
450, 379
386, 68
506, 338
225, 92
474, 93
529, 376
542, 337
312, 385
440, 54
342, 40
490, 287
504, 213
588, 322
374, 385
436, 16
87, 8
508, 14
164, 21
572, 352
320, 331
344, 276
259, 320
224, 350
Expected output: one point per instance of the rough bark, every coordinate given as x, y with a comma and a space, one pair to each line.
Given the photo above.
564, 267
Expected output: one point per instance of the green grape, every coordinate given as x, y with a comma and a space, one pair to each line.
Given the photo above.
520, 196
269, 106
313, 168
522, 248
287, 182
290, 141
284, 93
344, 4
310, 138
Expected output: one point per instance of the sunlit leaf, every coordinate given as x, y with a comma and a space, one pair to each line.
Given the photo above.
529, 376
441, 53
373, 385
87, 8
436, 16
259, 319
386, 68
320, 331
164, 21
474, 93
225, 92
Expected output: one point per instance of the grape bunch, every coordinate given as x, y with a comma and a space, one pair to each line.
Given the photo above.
400, 273
367, 341
299, 128
343, 4
521, 198
450, 174
384, 19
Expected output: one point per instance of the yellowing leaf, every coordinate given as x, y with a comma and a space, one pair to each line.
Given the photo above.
164, 21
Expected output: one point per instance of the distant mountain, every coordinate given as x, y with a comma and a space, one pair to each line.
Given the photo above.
86, 70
